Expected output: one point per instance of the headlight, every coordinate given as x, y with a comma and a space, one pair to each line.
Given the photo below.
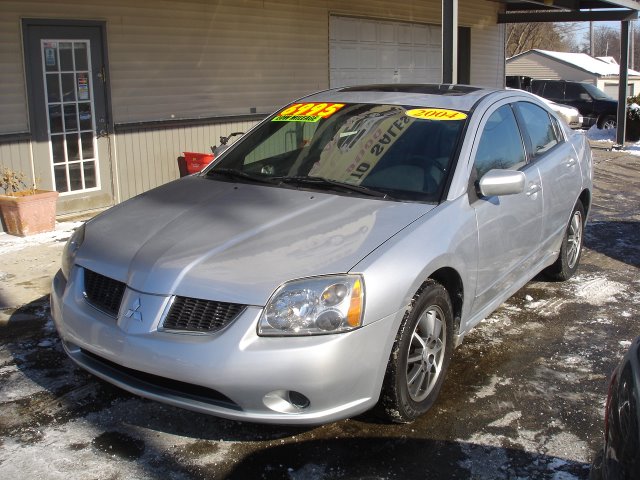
70, 250
314, 306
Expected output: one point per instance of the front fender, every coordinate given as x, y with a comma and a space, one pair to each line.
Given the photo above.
393, 273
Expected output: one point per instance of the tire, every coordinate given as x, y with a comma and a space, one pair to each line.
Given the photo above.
607, 122
420, 356
569, 257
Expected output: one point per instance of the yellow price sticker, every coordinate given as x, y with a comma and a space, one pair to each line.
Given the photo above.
307, 112
435, 114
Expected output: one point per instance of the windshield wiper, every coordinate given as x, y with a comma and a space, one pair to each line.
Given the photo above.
238, 174
327, 184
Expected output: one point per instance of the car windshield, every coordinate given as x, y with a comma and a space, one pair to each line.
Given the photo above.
388, 151
596, 93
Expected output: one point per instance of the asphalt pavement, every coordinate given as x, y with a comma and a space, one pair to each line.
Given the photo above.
524, 397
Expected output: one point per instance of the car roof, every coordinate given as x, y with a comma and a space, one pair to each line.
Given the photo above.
459, 97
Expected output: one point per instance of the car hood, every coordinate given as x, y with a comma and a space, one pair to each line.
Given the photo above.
236, 242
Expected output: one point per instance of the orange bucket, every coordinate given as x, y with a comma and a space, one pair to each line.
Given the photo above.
197, 161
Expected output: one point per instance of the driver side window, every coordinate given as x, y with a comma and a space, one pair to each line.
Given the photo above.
500, 144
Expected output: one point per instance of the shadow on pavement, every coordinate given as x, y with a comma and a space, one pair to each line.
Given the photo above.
619, 240
379, 457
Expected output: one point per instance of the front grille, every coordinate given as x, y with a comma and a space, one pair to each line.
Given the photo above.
195, 315
103, 292
161, 385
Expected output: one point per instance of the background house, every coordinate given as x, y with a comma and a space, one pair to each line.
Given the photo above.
603, 72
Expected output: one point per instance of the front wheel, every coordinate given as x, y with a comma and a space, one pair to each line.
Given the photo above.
567, 263
420, 356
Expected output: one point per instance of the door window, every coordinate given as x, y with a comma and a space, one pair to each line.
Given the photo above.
540, 128
573, 92
500, 144
70, 114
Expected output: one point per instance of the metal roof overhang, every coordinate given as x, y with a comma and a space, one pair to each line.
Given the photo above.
521, 11
528, 11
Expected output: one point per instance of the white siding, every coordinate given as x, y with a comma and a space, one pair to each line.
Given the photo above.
13, 102
610, 86
147, 157
16, 155
535, 65
487, 56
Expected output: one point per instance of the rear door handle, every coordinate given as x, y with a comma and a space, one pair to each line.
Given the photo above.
571, 162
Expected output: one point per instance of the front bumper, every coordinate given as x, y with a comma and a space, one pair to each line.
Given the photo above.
233, 373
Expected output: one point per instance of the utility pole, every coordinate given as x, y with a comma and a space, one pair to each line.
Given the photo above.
632, 54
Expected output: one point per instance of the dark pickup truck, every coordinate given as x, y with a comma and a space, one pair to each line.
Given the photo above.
593, 104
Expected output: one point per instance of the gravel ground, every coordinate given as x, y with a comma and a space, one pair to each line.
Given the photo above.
523, 399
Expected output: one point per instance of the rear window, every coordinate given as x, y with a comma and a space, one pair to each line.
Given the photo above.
404, 151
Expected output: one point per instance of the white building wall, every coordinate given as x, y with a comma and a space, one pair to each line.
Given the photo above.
487, 55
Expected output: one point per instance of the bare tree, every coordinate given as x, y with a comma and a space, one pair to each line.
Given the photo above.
606, 42
526, 36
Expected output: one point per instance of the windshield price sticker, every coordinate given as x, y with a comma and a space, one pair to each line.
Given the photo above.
436, 114
307, 112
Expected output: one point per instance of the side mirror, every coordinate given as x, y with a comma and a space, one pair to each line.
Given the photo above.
502, 182
586, 97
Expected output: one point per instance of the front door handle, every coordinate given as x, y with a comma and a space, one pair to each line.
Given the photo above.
533, 189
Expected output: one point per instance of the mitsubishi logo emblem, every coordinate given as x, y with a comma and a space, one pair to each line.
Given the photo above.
133, 311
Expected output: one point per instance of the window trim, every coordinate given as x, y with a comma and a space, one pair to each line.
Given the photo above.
472, 183
524, 132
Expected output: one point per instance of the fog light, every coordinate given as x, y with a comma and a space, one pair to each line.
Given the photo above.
286, 401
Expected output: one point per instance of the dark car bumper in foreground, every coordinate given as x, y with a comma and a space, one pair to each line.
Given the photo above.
620, 456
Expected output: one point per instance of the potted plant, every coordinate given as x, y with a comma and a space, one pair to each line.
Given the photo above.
25, 210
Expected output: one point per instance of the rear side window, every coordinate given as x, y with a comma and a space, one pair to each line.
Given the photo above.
554, 91
540, 128
500, 144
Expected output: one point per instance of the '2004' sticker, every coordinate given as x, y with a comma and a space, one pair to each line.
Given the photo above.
307, 112
436, 114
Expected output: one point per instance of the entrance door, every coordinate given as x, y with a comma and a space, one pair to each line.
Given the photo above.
67, 90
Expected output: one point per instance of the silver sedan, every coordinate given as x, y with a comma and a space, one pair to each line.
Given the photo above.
331, 260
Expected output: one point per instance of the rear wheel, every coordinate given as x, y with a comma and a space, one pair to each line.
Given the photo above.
420, 357
607, 122
567, 263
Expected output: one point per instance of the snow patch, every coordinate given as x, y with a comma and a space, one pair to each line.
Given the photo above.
609, 136
599, 290
11, 243
490, 390
602, 135
507, 420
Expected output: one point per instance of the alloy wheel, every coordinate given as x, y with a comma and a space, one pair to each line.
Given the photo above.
426, 353
574, 239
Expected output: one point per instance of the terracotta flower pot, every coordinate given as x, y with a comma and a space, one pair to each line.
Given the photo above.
26, 213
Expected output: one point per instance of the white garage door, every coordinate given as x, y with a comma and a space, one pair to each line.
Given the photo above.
378, 51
